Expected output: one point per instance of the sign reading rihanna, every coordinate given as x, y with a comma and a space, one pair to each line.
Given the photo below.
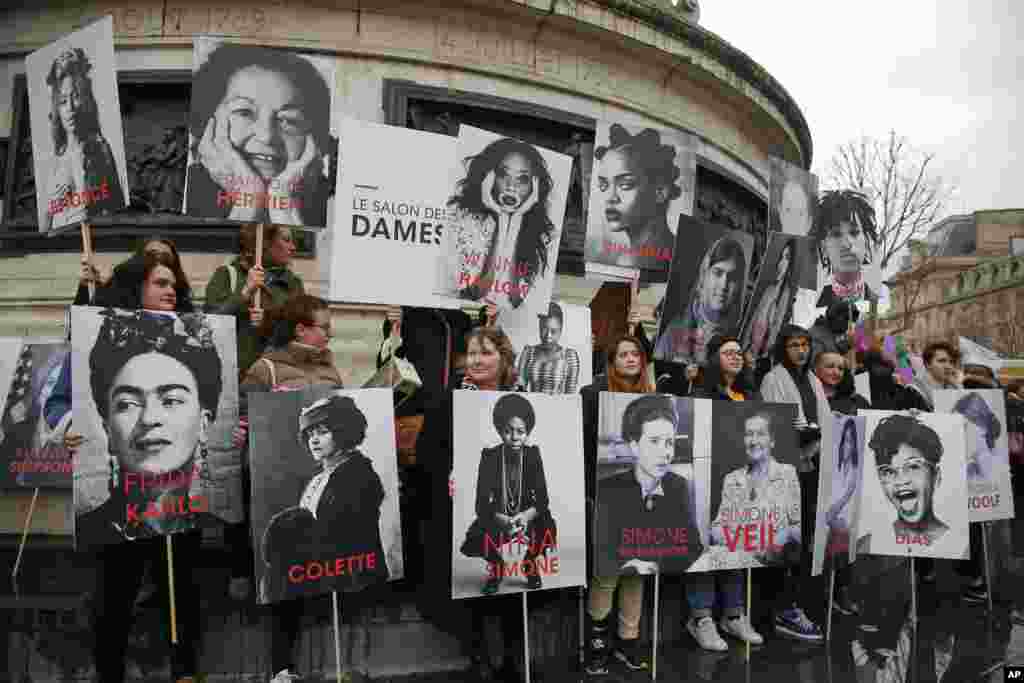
914, 493
507, 205
990, 495
518, 515
647, 513
259, 135
32, 452
155, 397
77, 135
390, 214
753, 491
325, 511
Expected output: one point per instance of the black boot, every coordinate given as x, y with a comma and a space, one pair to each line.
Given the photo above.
598, 648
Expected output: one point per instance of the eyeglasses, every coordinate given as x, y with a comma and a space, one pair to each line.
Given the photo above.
908, 470
324, 327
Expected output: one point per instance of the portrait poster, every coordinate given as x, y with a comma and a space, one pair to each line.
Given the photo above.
839, 481
507, 201
390, 216
990, 495
866, 278
914, 490
325, 513
793, 196
259, 134
517, 507
647, 514
753, 521
32, 451
77, 132
642, 181
155, 398
787, 262
559, 357
706, 290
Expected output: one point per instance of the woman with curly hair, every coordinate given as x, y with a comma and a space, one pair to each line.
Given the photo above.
260, 125
503, 233
844, 229
636, 179
85, 180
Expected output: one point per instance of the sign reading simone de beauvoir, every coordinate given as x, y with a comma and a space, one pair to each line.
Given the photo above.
517, 510
155, 396
77, 136
390, 217
506, 201
32, 449
990, 495
259, 134
753, 491
646, 516
324, 491
643, 179
914, 495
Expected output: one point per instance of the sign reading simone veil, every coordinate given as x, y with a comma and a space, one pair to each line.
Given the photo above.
77, 135
324, 491
753, 491
390, 217
914, 491
518, 515
506, 200
155, 396
990, 495
259, 134
32, 452
647, 513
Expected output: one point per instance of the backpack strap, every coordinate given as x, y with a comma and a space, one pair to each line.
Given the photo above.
273, 372
232, 276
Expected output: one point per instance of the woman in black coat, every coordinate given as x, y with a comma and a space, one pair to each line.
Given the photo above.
511, 496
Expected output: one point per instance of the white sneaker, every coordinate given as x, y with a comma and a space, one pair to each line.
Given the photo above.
285, 676
740, 628
704, 632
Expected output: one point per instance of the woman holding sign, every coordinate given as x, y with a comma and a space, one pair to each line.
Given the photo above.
260, 124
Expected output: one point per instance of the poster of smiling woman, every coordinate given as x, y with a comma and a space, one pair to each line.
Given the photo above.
517, 507
325, 511
914, 490
77, 133
155, 398
259, 134
990, 495
642, 182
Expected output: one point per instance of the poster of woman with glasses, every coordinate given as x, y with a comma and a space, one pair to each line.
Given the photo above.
914, 486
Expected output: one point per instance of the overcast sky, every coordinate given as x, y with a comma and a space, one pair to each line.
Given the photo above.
947, 74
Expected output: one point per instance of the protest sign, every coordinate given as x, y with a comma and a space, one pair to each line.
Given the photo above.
517, 508
839, 481
561, 362
793, 196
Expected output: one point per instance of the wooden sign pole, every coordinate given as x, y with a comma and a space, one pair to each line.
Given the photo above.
526, 637
257, 298
656, 627
170, 589
24, 538
337, 635
87, 253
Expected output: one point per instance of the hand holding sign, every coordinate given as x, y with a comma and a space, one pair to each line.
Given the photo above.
225, 164
287, 187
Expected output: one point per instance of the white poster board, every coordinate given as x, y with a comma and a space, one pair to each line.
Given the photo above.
839, 482
390, 215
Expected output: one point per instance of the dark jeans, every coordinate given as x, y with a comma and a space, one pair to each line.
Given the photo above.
121, 568
794, 585
285, 625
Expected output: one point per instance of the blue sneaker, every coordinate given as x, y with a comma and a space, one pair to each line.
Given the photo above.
793, 623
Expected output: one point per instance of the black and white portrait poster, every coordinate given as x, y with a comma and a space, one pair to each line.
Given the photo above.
517, 507
558, 360
990, 495
753, 494
390, 217
647, 512
32, 451
506, 202
794, 194
914, 494
706, 290
788, 265
845, 233
259, 134
325, 513
155, 397
77, 133
642, 181
839, 482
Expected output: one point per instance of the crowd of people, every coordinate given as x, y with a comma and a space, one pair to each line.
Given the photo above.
283, 344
